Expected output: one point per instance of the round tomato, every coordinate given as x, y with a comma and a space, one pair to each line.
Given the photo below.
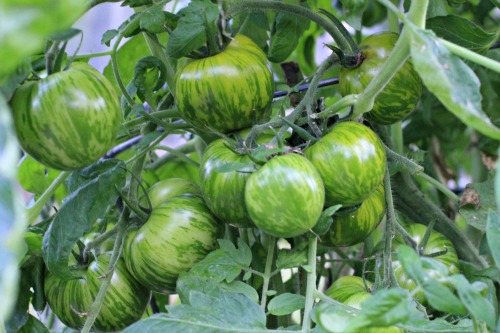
351, 290
285, 197
124, 303
69, 119
228, 91
435, 244
355, 227
167, 189
351, 160
178, 233
399, 97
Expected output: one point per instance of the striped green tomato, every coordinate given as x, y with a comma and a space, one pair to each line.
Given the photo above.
178, 233
351, 160
351, 290
167, 189
69, 119
124, 303
226, 92
399, 97
285, 197
355, 227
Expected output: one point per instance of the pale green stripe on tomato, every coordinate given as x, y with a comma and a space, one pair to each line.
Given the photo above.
285, 196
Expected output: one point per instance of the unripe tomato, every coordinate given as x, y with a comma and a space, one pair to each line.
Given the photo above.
399, 97
226, 92
167, 189
69, 119
351, 160
285, 197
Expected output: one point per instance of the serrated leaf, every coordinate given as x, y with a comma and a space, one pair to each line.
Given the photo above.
79, 211
287, 30
228, 312
241, 255
493, 236
325, 220
462, 31
242, 288
478, 306
157, 21
108, 36
149, 75
477, 200
450, 80
291, 258
285, 304
353, 11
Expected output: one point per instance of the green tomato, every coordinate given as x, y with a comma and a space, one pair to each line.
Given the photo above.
285, 197
167, 189
351, 160
179, 233
355, 227
69, 119
351, 290
180, 169
226, 92
399, 97
124, 303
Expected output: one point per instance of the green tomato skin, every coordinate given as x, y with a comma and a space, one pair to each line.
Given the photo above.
351, 291
351, 160
179, 233
355, 227
399, 97
226, 92
68, 120
167, 189
124, 303
285, 197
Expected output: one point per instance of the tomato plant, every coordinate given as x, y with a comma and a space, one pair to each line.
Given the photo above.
69, 119
399, 97
169, 188
124, 303
351, 161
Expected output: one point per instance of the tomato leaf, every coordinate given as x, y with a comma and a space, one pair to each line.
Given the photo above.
477, 200
149, 75
450, 80
462, 31
291, 258
136, 3
157, 21
353, 11
34, 177
225, 312
493, 235
79, 211
285, 35
286, 303
439, 325
471, 297
33, 325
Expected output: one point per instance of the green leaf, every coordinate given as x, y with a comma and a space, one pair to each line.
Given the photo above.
493, 236
439, 325
33, 325
291, 258
450, 80
108, 36
334, 319
35, 177
476, 201
149, 75
227, 312
137, 3
158, 21
9, 83
285, 304
80, 210
353, 11
325, 220
462, 31
478, 306
286, 32
255, 25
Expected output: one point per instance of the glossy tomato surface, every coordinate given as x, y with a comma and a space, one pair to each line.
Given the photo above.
124, 303
179, 232
69, 119
399, 97
285, 197
354, 227
169, 188
351, 160
226, 92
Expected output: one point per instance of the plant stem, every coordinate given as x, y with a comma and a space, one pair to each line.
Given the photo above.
34, 211
397, 137
393, 18
170, 113
186, 148
92, 55
157, 50
116, 71
440, 186
389, 279
268, 270
342, 40
472, 56
408, 165
311, 284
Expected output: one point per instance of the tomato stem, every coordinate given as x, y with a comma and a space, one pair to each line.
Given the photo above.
389, 279
116, 71
158, 51
186, 148
271, 246
470, 55
439, 186
311, 283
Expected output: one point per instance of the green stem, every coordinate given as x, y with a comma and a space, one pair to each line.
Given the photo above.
440, 186
343, 41
311, 283
393, 18
92, 55
151, 146
407, 164
339, 105
170, 113
397, 137
186, 148
116, 71
268, 270
34, 211
471, 56
389, 279
157, 50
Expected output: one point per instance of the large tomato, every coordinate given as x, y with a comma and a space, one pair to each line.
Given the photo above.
228, 91
351, 290
124, 303
399, 97
351, 160
178, 233
167, 189
69, 119
285, 197
356, 226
